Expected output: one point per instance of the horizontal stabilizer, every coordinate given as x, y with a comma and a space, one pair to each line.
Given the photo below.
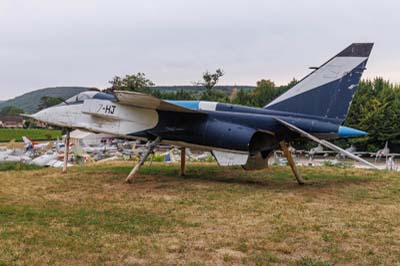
141, 100
325, 143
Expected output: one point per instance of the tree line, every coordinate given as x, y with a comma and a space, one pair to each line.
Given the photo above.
375, 107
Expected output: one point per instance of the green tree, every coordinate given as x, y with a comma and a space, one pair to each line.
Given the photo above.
265, 92
209, 82
183, 95
136, 82
242, 97
376, 110
48, 101
11, 110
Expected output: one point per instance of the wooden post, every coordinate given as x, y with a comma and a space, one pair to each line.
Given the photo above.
66, 152
183, 160
292, 163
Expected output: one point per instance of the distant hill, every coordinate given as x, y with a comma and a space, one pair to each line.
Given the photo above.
29, 102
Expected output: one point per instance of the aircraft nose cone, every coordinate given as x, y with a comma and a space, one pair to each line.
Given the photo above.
40, 116
348, 132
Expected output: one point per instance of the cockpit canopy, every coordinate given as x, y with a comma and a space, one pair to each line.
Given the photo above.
86, 95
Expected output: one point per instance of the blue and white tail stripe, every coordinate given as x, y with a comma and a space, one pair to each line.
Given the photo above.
196, 105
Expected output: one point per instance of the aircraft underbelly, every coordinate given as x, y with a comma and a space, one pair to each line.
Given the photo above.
224, 157
230, 158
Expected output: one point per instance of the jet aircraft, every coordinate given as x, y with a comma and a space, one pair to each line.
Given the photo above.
315, 108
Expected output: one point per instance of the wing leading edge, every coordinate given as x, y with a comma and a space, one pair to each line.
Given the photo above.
141, 100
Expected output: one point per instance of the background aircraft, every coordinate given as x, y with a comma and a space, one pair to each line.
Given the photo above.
315, 108
319, 150
32, 145
385, 153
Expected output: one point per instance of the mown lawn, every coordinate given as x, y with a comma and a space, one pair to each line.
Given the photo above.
213, 216
11, 166
7, 135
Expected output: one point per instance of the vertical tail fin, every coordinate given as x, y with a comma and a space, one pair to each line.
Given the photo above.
329, 90
27, 141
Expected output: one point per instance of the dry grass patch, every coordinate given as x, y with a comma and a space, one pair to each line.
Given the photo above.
214, 216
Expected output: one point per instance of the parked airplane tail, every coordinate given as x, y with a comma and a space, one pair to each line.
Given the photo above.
27, 141
329, 89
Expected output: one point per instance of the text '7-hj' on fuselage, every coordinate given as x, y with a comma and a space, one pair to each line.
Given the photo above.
315, 108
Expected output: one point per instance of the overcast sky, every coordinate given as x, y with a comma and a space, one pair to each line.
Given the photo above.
69, 42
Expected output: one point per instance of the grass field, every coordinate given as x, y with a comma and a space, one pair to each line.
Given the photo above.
35, 134
11, 166
214, 216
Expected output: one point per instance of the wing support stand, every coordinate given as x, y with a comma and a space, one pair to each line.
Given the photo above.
292, 163
151, 146
325, 143
66, 152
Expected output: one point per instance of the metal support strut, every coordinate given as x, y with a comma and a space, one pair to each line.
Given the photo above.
292, 163
183, 160
66, 150
151, 146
